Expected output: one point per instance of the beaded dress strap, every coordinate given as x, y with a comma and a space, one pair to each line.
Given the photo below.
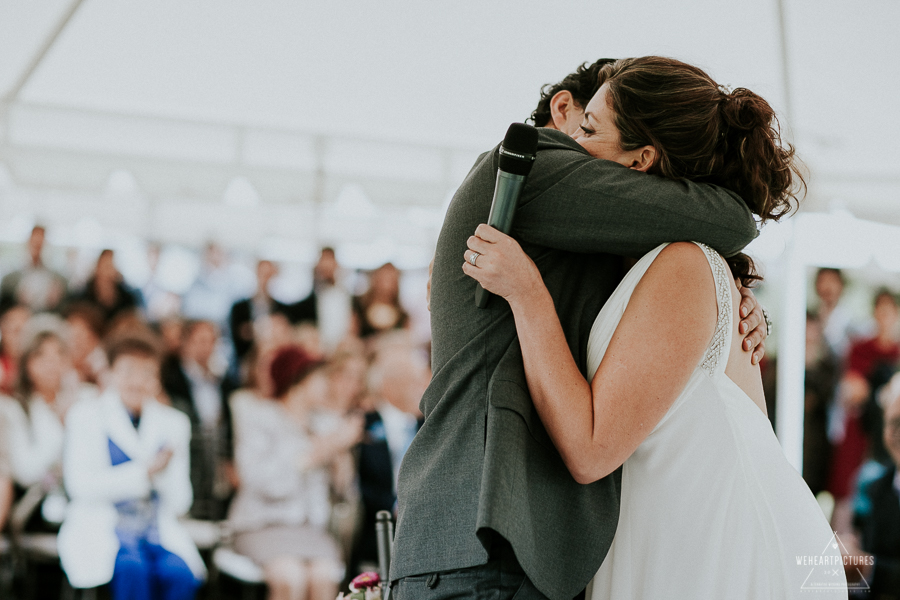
717, 353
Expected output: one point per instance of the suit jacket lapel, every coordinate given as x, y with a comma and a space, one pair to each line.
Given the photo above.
152, 433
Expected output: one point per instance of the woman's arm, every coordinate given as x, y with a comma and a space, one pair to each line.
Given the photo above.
32, 454
87, 471
325, 449
659, 342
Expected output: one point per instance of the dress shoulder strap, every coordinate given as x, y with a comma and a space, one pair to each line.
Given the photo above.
716, 356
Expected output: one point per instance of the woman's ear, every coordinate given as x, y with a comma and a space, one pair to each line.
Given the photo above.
560, 105
643, 159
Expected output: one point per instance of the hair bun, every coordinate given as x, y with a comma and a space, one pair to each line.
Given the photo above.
744, 110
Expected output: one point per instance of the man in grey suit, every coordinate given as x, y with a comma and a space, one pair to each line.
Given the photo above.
487, 509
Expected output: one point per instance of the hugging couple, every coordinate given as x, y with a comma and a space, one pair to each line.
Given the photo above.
599, 431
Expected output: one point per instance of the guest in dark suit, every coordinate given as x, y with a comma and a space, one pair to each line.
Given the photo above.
461, 506
200, 389
328, 306
397, 379
877, 516
247, 311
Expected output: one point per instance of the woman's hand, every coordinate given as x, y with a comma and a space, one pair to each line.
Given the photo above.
500, 265
753, 325
160, 462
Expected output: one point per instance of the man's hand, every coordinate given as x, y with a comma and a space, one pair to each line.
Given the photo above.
752, 326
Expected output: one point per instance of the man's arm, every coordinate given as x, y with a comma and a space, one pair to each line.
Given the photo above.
577, 203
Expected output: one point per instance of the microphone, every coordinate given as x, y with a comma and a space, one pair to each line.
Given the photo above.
517, 154
384, 536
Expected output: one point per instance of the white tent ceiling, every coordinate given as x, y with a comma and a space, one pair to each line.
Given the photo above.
247, 120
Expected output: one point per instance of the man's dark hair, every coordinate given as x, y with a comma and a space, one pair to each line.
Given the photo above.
89, 314
582, 84
135, 343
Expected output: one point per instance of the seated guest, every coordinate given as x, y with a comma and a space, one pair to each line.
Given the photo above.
198, 387
397, 380
858, 417
127, 474
47, 388
85, 326
281, 511
12, 321
877, 516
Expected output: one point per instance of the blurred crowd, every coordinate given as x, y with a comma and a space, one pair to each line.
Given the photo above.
851, 443
282, 424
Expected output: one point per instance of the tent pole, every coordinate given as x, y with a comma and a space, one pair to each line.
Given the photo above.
13, 93
792, 351
785, 59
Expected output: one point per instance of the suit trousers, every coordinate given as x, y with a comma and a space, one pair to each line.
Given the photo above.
502, 578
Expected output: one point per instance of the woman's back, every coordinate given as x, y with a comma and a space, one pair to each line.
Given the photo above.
710, 506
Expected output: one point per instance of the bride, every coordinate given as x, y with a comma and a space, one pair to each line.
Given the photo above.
710, 506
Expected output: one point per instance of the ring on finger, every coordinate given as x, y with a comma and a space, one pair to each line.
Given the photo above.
473, 257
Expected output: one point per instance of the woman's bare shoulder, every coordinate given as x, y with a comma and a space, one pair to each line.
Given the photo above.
677, 294
682, 269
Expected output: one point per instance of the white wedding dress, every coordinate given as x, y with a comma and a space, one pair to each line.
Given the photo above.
710, 506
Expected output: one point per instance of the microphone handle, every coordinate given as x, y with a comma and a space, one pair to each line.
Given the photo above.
503, 209
384, 536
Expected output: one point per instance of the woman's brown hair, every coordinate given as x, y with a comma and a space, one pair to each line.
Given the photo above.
705, 132
25, 387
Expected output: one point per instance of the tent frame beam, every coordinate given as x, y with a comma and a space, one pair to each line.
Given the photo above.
25, 76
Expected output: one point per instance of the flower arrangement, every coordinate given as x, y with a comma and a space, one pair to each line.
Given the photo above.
365, 586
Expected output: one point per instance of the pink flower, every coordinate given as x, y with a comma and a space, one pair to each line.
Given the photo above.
365, 581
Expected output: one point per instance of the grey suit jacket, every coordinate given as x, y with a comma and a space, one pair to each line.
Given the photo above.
482, 464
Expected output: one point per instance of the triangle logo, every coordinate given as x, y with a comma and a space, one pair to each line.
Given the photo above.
827, 570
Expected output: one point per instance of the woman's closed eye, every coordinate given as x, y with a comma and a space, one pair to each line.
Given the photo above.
587, 130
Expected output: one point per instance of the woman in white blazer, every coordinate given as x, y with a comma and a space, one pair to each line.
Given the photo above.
126, 470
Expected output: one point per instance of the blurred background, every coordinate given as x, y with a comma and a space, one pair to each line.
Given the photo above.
183, 158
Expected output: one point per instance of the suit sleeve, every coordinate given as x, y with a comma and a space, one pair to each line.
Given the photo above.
577, 203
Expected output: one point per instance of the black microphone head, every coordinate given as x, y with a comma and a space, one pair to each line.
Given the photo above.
518, 149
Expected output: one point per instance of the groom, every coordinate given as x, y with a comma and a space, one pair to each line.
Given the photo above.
487, 508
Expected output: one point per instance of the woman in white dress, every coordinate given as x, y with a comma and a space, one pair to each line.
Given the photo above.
710, 506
